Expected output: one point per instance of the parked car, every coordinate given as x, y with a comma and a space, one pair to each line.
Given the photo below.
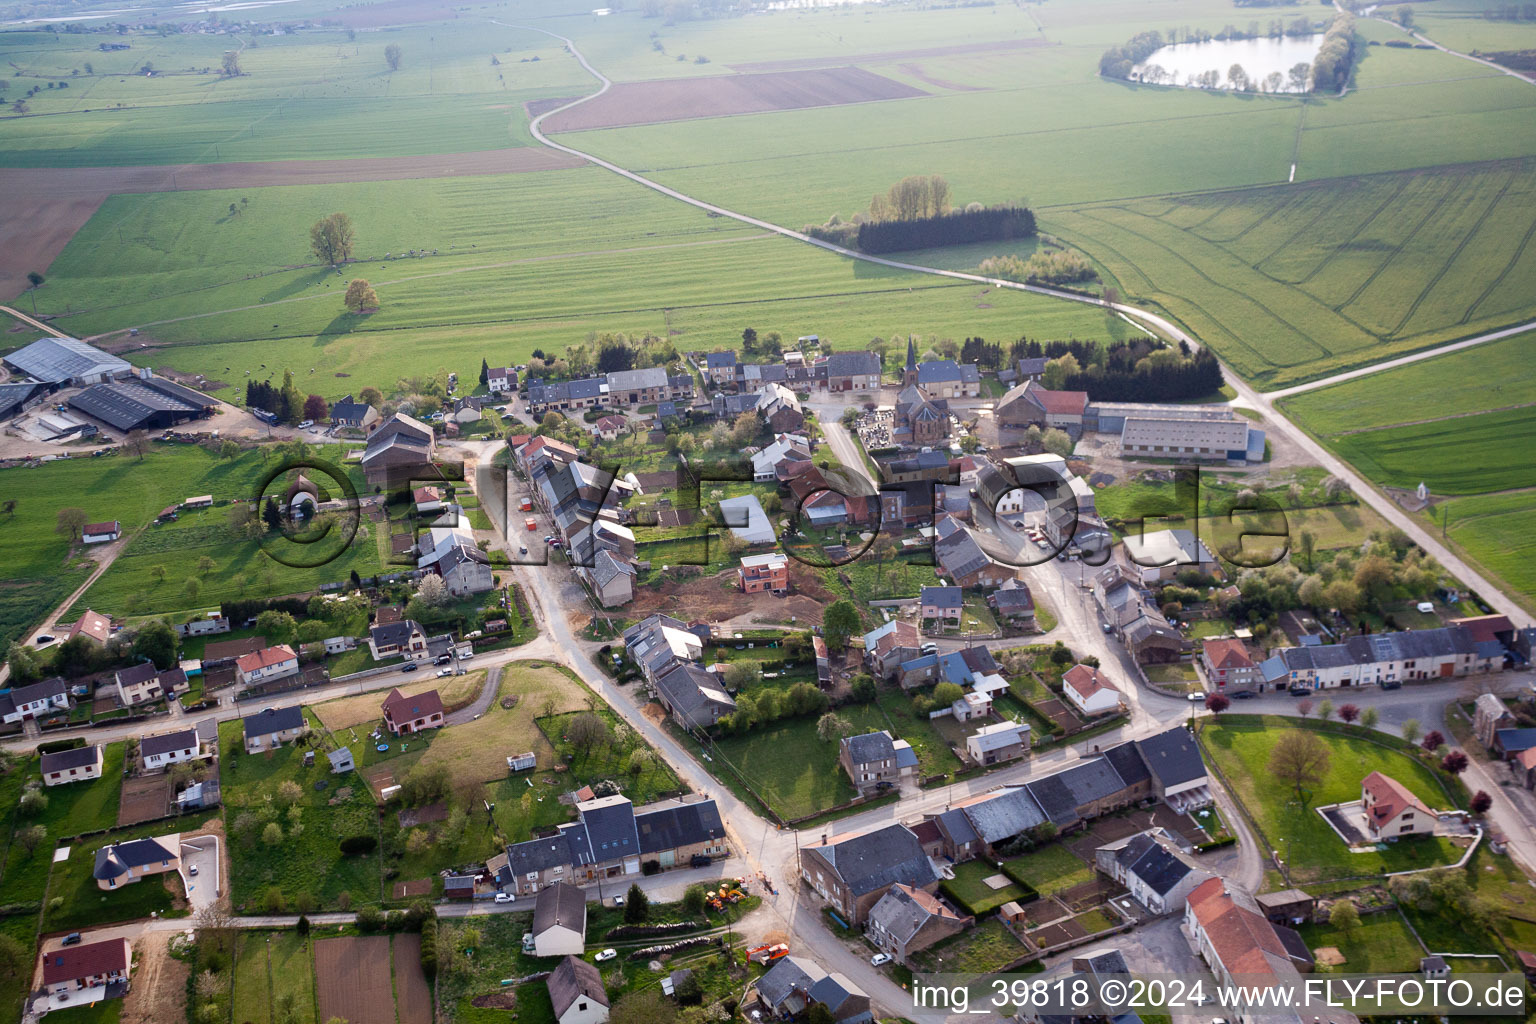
1244, 694
444, 672
504, 897
879, 959
46, 638
1197, 695
618, 901
607, 954
700, 860
409, 666
192, 870
527, 941
306, 424
442, 659
72, 939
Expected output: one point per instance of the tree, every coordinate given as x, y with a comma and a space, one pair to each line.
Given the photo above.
1054, 377
331, 238
34, 279
156, 641
1344, 916
831, 726
316, 408
741, 674
1299, 759
1216, 703
637, 905
392, 56
1325, 709
1410, 730
588, 732
271, 514
70, 523
371, 396
433, 592
946, 693
272, 834
693, 900
1057, 442
1348, 713
1454, 763
1304, 708
1298, 76
137, 442
13, 956
278, 627
1369, 717
360, 296
231, 63
31, 837
1308, 543
192, 587
819, 1014
862, 688
839, 622
1432, 741
647, 1006
32, 803
288, 793
1480, 804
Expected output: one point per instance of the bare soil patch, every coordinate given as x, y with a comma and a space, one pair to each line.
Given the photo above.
159, 992
706, 598
1054, 934
144, 798
917, 72
496, 1001
680, 99
415, 887
352, 979
888, 56
413, 816
537, 107
413, 1001
41, 209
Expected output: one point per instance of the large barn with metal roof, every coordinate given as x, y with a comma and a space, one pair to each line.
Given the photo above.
65, 361
148, 403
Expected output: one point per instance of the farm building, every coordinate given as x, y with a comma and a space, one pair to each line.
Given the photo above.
66, 362
101, 533
16, 397
143, 403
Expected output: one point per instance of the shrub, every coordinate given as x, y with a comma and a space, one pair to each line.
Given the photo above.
370, 919
355, 845
429, 948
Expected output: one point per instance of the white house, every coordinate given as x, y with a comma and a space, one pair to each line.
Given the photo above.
164, 751
998, 742
35, 701
101, 533
1090, 690
267, 664
559, 921
78, 765
501, 379
576, 993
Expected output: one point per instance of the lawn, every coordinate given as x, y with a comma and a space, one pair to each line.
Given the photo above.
1242, 752
1381, 945
84, 904
873, 578
788, 766
1471, 454
72, 810
970, 890
108, 1011
252, 990
22, 928
292, 958
986, 948
364, 709
305, 866
934, 755
1050, 869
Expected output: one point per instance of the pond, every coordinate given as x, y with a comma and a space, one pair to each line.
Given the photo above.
1207, 65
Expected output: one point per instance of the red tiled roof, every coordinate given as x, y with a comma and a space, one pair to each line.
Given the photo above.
265, 658
1240, 937
425, 494
1391, 797
1060, 402
108, 527
1484, 627
85, 961
401, 708
1527, 758
1087, 681
927, 831
1228, 652
92, 624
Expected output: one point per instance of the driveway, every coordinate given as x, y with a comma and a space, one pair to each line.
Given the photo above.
202, 853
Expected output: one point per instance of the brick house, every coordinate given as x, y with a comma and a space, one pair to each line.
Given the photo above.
406, 715
769, 572
852, 871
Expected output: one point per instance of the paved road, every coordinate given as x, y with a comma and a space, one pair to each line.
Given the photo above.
482, 703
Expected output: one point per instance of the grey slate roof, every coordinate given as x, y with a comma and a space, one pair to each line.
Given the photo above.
183, 740
942, 371
1004, 815
1512, 741
610, 828
1092, 780
870, 860
688, 687
574, 979
541, 854
833, 990
1172, 757
719, 360
960, 554
64, 760
115, 861
1145, 858
791, 974
562, 905
1128, 763
944, 597
958, 825
271, 720
872, 746
850, 364
680, 823
1056, 798
394, 634
636, 380
54, 360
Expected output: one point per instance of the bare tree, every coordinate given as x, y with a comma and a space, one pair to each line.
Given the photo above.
70, 523
137, 442
1300, 759
392, 56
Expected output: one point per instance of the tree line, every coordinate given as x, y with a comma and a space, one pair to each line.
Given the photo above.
1133, 370
1046, 267
1336, 57
989, 224
285, 402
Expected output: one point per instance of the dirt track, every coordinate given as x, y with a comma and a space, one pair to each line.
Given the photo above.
41, 209
889, 57
676, 99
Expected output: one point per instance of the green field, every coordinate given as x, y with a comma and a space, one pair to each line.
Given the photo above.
1294, 282
1051, 869
1242, 752
72, 810
1467, 455
1383, 944
970, 889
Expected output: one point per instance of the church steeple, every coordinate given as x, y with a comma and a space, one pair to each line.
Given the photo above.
911, 352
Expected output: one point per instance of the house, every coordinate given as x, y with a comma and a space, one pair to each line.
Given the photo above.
92, 626
693, 697
876, 761
906, 920
1391, 809
1489, 715
945, 378
77, 765
785, 448
921, 467
560, 921
350, 414
499, 380
657, 643
406, 715
1178, 775
851, 871
166, 750
1126, 608
673, 832
1159, 875
1242, 946
745, 518
849, 371
222, 653
720, 367
1031, 368
1166, 553
576, 992
769, 572
919, 419
464, 569
609, 427
1229, 665
272, 727
638, 387
1030, 404
127, 862
428, 499
101, 533
266, 665
780, 409
1014, 602
1090, 691
138, 683
1384, 659
612, 577
398, 449
35, 700
341, 760
964, 560
794, 984
403, 639
998, 742
943, 604
73, 974
890, 645
1288, 906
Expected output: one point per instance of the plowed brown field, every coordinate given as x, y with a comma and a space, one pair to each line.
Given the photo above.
352, 977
